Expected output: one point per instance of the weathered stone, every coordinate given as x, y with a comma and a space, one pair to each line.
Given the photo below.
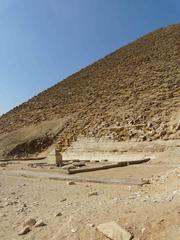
24, 230
63, 199
58, 214
71, 183
19, 210
91, 225
79, 164
113, 231
74, 230
66, 167
92, 194
30, 222
40, 223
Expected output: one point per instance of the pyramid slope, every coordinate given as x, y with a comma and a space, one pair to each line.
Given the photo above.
132, 93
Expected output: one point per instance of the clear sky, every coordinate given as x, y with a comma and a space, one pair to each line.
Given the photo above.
44, 41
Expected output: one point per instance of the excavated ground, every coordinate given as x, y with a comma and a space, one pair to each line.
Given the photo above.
149, 212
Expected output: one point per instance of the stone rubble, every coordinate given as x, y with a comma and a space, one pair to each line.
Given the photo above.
71, 183
114, 231
30, 222
58, 214
92, 194
24, 230
40, 223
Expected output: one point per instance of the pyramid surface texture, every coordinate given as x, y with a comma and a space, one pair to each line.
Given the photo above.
131, 94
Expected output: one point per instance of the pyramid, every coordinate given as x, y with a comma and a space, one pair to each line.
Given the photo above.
129, 95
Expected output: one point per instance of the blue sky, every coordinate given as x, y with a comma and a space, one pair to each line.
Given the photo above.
44, 41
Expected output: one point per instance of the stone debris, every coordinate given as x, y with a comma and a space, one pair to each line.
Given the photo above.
74, 230
66, 167
24, 230
104, 160
51, 167
92, 194
20, 210
63, 200
142, 230
35, 204
91, 225
6, 204
10, 203
3, 164
145, 181
40, 223
71, 183
30, 222
58, 214
79, 164
113, 231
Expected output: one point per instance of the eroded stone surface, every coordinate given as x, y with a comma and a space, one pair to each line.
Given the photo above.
113, 231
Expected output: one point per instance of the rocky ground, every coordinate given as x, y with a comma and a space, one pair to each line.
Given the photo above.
46, 208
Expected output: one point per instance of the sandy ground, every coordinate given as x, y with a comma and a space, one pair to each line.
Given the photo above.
149, 212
